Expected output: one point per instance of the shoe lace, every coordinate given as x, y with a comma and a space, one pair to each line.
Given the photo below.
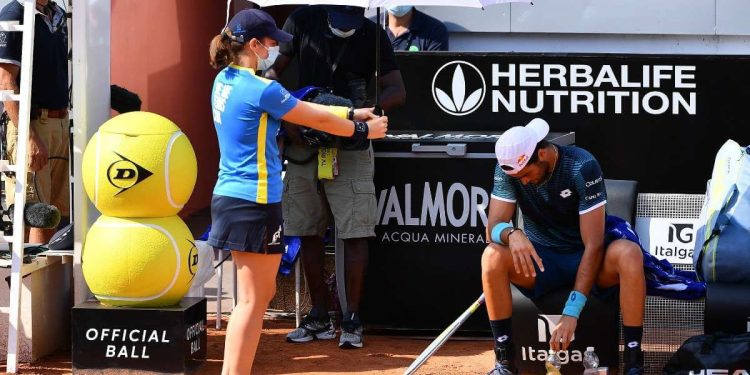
500, 369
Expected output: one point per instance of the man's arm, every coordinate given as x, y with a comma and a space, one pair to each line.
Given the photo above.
8, 78
38, 154
287, 50
278, 67
392, 90
592, 234
592, 199
499, 212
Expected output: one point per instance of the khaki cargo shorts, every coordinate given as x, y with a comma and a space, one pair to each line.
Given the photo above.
350, 196
51, 184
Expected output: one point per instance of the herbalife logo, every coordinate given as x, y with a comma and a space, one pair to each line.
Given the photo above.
458, 88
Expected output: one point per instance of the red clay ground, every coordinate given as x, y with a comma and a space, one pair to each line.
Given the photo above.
381, 355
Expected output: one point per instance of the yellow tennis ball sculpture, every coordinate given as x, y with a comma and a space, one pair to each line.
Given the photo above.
139, 164
144, 262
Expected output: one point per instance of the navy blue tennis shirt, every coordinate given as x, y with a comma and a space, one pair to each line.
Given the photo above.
49, 87
551, 210
425, 33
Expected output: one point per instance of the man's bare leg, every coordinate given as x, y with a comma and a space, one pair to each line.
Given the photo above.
623, 265
497, 274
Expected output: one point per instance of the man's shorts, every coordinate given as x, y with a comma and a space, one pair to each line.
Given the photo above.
242, 225
350, 196
561, 267
51, 184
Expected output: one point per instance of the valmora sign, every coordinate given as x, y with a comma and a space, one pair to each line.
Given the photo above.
657, 119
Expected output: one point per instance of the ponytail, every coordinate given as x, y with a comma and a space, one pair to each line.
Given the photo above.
223, 49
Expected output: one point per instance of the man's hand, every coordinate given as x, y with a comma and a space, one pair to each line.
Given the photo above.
524, 254
364, 114
563, 333
377, 127
38, 153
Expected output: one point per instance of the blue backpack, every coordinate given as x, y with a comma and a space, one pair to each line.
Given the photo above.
722, 246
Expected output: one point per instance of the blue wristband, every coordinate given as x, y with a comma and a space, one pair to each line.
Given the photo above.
575, 304
497, 232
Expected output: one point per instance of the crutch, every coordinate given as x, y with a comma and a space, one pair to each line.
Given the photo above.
444, 336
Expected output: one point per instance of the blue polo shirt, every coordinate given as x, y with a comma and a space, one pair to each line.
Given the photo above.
425, 33
247, 110
551, 211
49, 86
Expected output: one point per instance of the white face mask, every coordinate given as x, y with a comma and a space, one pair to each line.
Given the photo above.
273, 54
400, 10
341, 33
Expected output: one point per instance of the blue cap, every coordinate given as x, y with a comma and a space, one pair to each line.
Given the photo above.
344, 17
255, 23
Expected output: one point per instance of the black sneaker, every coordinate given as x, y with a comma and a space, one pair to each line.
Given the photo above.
633, 359
311, 328
351, 333
501, 368
503, 359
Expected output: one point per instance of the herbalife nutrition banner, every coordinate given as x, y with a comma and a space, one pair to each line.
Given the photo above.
655, 119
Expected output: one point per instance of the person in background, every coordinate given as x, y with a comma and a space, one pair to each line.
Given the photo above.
411, 30
335, 50
47, 180
246, 205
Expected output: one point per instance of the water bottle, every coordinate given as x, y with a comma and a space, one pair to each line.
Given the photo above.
552, 363
590, 362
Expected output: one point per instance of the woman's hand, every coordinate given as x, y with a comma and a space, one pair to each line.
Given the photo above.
377, 127
364, 114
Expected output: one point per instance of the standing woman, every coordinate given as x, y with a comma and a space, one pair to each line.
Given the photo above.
246, 205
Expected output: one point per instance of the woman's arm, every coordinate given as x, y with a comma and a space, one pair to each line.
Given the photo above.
322, 118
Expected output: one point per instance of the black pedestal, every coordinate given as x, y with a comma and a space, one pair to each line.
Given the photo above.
142, 340
598, 326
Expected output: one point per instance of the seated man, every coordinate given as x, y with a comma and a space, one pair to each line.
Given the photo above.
568, 241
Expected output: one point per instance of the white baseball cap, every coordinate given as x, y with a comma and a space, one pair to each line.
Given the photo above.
515, 147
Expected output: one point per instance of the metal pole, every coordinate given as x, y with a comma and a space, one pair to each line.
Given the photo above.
21, 167
377, 60
220, 275
297, 276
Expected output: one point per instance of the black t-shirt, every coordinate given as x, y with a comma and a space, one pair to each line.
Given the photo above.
316, 49
49, 87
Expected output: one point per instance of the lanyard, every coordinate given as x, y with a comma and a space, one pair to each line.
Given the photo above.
333, 65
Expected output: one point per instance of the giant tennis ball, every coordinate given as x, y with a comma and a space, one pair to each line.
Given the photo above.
146, 262
139, 164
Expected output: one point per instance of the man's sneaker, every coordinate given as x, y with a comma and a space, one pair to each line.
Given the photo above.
500, 369
351, 333
310, 328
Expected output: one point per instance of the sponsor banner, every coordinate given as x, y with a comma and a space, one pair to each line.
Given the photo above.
164, 340
533, 326
430, 235
657, 119
670, 239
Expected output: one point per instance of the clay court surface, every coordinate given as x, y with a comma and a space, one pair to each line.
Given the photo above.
381, 355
